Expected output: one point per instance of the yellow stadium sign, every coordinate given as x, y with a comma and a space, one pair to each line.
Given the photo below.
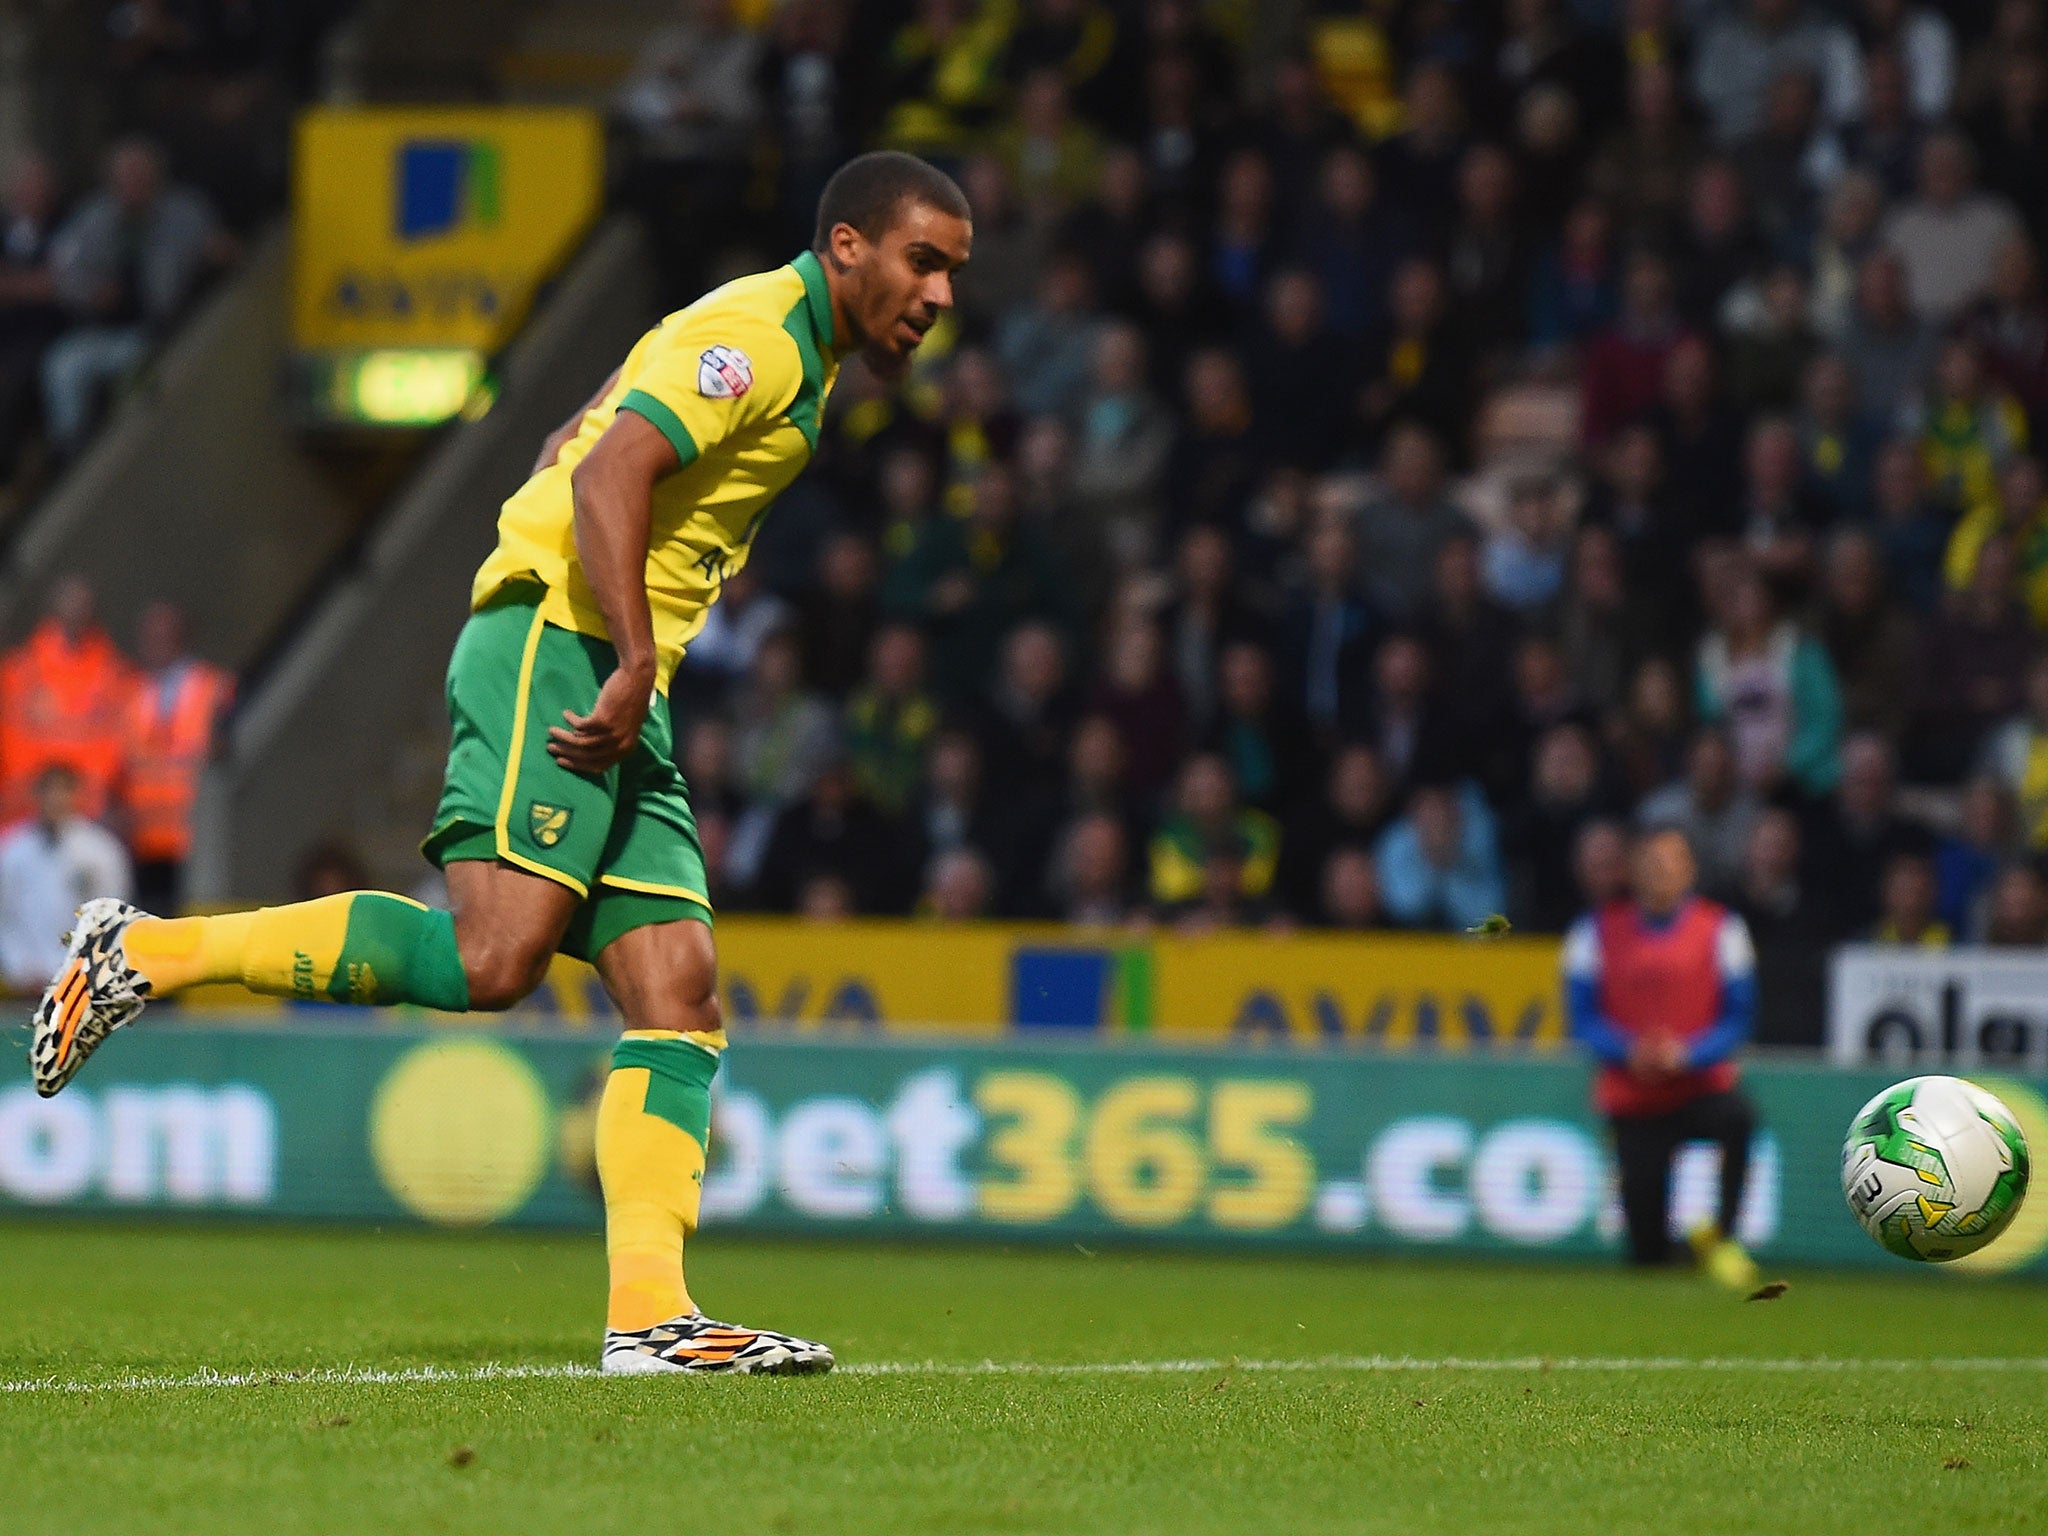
433, 227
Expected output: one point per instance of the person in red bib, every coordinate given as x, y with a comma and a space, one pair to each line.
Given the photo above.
1662, 990
64, 694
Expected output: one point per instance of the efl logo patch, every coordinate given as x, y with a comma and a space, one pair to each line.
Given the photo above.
724, 373
549, 822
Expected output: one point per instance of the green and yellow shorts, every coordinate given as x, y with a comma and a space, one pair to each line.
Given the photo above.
625, 841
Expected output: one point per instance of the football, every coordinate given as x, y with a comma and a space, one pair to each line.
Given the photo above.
1934, 1168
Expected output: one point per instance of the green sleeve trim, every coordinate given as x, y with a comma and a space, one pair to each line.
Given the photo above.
666, 421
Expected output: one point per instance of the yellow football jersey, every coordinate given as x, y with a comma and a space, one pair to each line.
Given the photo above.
736, 382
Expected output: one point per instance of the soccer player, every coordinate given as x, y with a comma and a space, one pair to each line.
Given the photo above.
563, 823
1662, 990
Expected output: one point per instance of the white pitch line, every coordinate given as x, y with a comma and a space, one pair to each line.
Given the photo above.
351, 1376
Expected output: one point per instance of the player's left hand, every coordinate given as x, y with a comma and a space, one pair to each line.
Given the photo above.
594, 742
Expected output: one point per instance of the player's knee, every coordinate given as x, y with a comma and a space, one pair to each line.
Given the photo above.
502, 972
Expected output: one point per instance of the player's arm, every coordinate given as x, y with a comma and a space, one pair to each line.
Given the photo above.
1589, 1026
613, 490
1735, 959
557, 440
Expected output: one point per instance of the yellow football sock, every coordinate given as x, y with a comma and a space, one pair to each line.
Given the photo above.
357, 947
653, 1125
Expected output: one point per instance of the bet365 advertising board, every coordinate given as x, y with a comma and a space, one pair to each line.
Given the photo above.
1341, 1150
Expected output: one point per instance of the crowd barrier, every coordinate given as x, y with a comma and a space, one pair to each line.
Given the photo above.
834, 1133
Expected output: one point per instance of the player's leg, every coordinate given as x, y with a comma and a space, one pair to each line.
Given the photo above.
521, 836
1643, 1148
653, 1133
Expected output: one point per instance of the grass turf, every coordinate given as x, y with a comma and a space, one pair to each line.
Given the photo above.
1226, 1449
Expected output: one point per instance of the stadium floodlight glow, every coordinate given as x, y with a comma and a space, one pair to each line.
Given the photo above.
409, 387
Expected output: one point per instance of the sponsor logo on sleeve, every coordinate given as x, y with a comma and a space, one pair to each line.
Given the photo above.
724, 373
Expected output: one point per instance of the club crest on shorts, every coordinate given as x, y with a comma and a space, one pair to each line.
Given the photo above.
724, 373
549, 822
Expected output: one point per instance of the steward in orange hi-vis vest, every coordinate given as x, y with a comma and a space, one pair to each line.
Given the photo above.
170, 737
64, 696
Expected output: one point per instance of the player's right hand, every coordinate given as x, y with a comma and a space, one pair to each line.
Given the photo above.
594, 742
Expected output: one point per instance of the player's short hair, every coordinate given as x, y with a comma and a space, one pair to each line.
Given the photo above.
869, 189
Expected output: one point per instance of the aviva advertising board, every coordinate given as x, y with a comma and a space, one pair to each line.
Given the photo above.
1336, 1150
424, 228
924, 979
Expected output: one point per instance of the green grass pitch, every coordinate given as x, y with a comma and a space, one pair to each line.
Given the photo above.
1593, 1416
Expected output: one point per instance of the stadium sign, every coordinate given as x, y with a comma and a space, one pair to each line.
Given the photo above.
1337, 1150
1928, 1009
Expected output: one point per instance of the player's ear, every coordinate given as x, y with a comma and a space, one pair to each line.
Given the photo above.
843, 247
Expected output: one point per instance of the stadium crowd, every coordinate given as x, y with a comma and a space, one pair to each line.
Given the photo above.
1369, 475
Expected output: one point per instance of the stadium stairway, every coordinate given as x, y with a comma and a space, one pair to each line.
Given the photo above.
342, 734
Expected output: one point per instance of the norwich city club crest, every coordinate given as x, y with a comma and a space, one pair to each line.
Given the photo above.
549, 823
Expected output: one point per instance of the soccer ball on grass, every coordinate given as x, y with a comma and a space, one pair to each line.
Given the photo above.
1934, 1168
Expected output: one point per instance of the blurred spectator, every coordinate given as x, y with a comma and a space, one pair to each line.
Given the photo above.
1439, 864
1856, 832
1623, 369
1089, 877
726, 650
177, 704
1887, 136
1920, 38
65, 693
1355, 806
1605, 629
2018, 514
1139, 697
1470, 638
1837, 441
1751, 44
1967, 860
1574, 288
1970, 430
826, 898
2016, 757
1700, 440
1949, 234
1206, 614
1418, 366
1663, 991
1871, 638
1401, 529
1404, 722
1208, 824
1646, 163
1486, 256
890, 719
1350, 244
1024, 721
1419, 165
1054, 159
1632, 501
1907, 904
2010, 327
1213, 469
1650, 739
125, 265
1715, 811
1886, 345
1848, 237
1775, 689
1048, 345
1302, 377
969, 581
1600, 863
1009, 249
959, 888
1912, 531
1773, 340
833, 830
1780, 515
1255, 731
30, 316
783, 738
836, 622
1793, 154
1524, 563
2018, 914
1792, 925
2010, 130
1325, 627
1718, 247
1350, 894
50, 865
1121, 447
692, 107
1565, 793
1109, 229
1977, 652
